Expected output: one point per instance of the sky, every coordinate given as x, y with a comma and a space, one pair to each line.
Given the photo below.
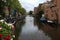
30, 4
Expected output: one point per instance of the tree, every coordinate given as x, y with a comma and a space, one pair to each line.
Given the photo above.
40, 11
30, 12
1, 8
17, 6
23, 11
12, 5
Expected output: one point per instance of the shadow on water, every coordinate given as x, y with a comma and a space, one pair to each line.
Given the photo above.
18, 28
38, 23
33, 29
53, 25
51, 30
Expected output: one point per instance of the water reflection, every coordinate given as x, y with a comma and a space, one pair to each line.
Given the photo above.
51, 31
33, 29
18, 28
30, 31
29, 26
38, 23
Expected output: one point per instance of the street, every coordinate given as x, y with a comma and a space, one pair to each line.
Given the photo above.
31, 29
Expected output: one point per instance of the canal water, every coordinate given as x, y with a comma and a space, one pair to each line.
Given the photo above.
30, 30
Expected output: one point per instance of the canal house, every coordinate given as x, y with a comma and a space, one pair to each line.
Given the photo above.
57, 5
52, 10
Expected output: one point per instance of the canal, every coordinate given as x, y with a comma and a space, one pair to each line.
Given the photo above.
32, 29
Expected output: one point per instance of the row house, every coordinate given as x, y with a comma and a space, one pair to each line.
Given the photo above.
57, 4
37, 9
49, 12
52, 10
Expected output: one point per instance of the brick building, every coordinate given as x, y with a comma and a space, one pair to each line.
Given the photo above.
35, 10
49, 12
53, 9
57, 3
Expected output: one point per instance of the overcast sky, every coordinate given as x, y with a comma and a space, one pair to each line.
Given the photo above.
30, 4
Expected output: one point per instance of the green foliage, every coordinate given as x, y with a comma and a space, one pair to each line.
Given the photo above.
23, 11
6, 30
15, 4
30, 12
12, 4
1, 8
40, 13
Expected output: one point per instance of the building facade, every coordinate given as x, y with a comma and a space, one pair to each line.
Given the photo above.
35, 10
49, 12
57, 3
52, 10
55, 6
